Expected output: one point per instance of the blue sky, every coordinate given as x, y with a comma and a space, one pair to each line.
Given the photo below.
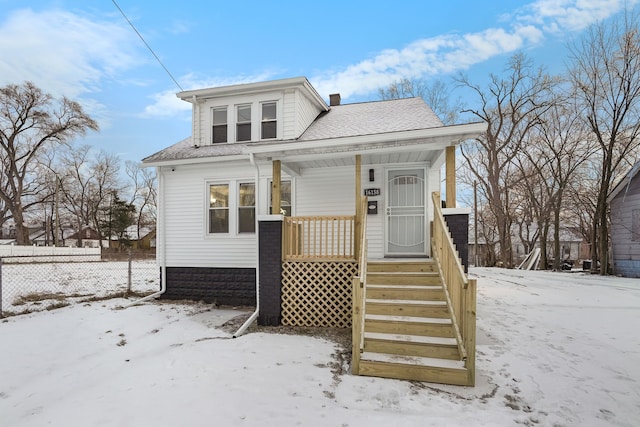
88, 52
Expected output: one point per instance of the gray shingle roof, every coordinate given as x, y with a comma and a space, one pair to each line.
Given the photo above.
370, 118
367, 118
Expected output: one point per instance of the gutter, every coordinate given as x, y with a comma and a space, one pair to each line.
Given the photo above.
254, 316
163, 267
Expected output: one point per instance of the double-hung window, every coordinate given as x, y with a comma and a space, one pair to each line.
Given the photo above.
285, 199
219, 125
219, 208
243, 122
246, 208
268, 126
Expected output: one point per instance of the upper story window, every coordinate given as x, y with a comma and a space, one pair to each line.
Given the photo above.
243, 123
268, 128
219, 125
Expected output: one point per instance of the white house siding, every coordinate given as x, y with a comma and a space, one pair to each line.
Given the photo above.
185, 214
626, 250
289, 115
326, 191
306, 112
331, 191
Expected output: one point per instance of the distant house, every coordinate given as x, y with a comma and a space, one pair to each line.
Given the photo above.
624, 205
137, 238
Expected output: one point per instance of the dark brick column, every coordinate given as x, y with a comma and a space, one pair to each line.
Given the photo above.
270, 270
458, 224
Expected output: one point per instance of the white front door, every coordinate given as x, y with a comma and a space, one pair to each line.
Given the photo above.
405, 210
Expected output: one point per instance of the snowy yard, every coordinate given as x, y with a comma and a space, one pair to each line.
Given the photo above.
554, 349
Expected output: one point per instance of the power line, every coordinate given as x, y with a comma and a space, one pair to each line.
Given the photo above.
147, 45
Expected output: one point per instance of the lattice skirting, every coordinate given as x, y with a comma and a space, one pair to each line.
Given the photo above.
317, 293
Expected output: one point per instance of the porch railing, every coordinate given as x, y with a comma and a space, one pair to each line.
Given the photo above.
460, 291
359, 293
318, 237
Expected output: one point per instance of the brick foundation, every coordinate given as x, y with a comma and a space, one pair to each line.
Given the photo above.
270, 264
223, 286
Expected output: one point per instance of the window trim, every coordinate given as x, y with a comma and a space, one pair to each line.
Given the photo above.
213, 124
210, 209
239, 123
263, 121
239, 207
233, 208
270, 182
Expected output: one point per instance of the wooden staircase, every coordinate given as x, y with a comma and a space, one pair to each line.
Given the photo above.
407, 328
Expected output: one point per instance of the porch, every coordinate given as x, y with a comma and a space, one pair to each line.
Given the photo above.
410, 318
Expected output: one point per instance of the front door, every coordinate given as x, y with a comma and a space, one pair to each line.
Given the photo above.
406, 226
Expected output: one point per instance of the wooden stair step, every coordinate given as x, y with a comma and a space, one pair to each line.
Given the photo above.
414, 368
415, 319
409, 325
417, 308
426, 303
413, 360
391, 266
403, 278
405, 292
418, 339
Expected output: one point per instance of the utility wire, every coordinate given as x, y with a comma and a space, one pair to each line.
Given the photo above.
147, 45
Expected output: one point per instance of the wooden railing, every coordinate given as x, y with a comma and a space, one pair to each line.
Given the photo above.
318, 237
459, 290
359, 291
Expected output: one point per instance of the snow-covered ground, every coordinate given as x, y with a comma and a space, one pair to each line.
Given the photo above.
554, 349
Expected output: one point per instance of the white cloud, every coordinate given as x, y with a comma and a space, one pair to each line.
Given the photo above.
167, 104
455, 52
63, 53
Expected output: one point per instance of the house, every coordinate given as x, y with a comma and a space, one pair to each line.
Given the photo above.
264, 204
138, 237
624, 206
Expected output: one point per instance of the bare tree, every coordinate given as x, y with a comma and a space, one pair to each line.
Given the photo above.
145, 195
437, 95
557, 148
605, 70
31, 121
511, 106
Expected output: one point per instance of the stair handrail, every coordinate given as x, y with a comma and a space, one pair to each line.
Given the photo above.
454, 279
359, 292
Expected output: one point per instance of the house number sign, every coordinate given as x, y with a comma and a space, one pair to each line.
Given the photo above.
371, 191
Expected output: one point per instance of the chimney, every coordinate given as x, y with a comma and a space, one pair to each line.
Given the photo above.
334, 99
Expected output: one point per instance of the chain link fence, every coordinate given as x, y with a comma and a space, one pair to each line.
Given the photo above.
45, 282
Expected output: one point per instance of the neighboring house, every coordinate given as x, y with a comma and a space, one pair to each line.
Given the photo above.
624, 207
142, 238
264, 205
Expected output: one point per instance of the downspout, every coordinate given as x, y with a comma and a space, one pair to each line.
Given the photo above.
254, 316
163, 267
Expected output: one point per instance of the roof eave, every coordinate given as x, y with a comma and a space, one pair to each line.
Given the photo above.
456, 134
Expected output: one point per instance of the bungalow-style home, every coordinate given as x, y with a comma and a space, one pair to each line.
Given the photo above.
279, 200
624, 207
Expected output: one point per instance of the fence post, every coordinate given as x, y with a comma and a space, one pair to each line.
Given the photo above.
1, 316
129, 274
